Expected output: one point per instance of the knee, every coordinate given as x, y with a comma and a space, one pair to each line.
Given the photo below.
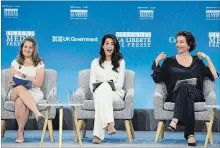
19, 104
183, 85
20, 89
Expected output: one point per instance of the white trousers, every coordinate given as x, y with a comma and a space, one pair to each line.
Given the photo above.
103, 101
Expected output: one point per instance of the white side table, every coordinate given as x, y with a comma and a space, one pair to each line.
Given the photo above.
60, 105
214, 107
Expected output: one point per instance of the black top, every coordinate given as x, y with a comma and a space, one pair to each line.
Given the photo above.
171, 71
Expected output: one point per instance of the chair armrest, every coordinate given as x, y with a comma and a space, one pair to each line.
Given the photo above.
129, 98
159, 96
129, 103
209, 91
79, 95
4, 97
52, 96
210, 98
130, 94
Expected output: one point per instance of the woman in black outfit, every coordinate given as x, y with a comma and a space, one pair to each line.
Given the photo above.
180, 67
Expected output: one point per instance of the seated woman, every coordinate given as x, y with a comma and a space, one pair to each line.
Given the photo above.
106, 82
180, 67
27, 66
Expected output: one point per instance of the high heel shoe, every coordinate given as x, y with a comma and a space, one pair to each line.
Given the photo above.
96, 140
171, 128
20, 140
40, 121
111, 131
191, 144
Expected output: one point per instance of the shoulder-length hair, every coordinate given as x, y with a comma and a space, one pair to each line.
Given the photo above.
35, 57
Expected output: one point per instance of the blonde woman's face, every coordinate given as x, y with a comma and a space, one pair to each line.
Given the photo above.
28, 49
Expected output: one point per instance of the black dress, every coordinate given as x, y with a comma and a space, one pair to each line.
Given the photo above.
185, 96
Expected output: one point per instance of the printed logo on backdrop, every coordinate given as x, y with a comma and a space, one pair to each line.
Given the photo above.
172, 39
214, 39
73, 39
14, 38
11, 11
134, 39
146, 13
78, 12
212, 13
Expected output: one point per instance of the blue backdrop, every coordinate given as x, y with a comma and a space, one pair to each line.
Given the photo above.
69, 35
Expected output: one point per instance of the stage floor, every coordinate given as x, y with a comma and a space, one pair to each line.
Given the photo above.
143, 139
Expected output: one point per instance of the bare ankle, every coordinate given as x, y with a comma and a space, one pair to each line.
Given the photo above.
111, 124
20, 130
175, 120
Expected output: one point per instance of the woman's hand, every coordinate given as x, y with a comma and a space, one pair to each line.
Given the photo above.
202, 55
161, 56
11, 83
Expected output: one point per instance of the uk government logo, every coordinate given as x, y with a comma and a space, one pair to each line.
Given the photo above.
146, 13
134, 39
214, 39
14, 38
73, 39
212, 13
79, 12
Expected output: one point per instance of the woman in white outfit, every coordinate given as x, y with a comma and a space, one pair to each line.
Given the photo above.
28, 66
108, 71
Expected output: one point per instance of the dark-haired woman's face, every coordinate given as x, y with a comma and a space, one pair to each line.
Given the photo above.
181, 44
27, 49
108, 47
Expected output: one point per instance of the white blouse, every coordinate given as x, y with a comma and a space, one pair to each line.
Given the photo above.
99, 74
30, 71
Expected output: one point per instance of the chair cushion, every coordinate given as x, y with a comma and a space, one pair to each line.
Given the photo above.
89, 105
89, 96
198, 106
10, 106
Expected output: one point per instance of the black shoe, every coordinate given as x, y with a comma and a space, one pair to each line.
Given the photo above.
171, 128
192, 144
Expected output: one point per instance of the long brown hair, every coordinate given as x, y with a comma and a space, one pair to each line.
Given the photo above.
35, 57
116, 56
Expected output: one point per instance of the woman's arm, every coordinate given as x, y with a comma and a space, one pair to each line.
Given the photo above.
39, 79
158, 71
119, 84
92, 79
12, 72
211, 65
